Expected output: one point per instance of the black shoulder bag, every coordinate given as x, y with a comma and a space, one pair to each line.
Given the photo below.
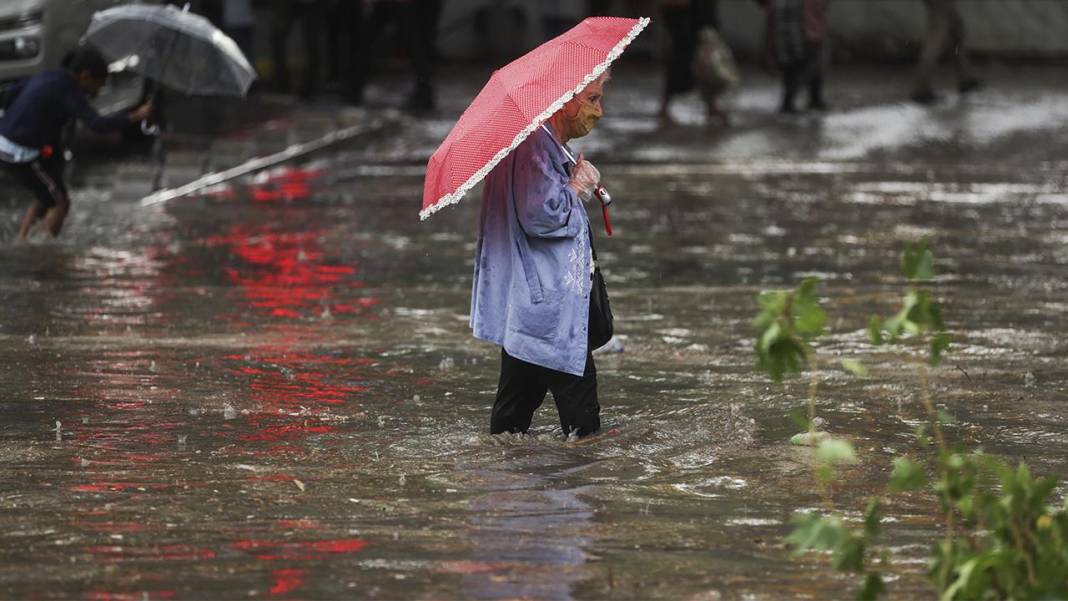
600, 327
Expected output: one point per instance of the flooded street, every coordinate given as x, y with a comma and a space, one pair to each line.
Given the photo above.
271, 391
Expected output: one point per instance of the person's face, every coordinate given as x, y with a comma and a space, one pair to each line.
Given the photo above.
582, 112
90, 84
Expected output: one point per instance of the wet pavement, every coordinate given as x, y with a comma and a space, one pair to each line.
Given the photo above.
269, 390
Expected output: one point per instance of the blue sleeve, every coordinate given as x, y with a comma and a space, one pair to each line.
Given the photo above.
546, 205
77, 104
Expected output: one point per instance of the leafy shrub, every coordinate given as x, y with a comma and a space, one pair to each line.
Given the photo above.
1002, 538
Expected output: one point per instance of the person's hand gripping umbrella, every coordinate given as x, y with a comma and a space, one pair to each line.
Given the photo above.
519, 98
594, 183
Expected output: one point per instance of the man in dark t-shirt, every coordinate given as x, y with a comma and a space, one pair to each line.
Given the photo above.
32, 128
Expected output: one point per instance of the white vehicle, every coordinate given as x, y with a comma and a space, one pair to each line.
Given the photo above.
35, 35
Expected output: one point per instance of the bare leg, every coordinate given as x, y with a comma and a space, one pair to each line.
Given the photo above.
34, 213
53, 219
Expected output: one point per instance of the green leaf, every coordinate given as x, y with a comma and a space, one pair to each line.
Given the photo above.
833, 451
946, 418
808, 316
873, 587
921, 435
939, 343
849, 556
800, 417
854, 367
917, 262
898, 324
772, 304
813, 532
787, 319
907, 475
935, 310
873, 517
875, 330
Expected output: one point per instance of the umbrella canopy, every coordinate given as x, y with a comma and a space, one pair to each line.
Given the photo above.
178, 49
516, 100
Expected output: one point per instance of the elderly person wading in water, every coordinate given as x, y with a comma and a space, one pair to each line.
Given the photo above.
533, 266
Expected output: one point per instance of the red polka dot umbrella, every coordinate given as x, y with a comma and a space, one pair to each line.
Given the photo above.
516, 100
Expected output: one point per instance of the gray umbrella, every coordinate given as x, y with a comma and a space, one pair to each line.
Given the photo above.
177, 48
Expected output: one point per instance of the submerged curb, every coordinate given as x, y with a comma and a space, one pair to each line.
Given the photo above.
370, 126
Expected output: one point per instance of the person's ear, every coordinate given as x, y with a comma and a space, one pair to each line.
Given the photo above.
571, 109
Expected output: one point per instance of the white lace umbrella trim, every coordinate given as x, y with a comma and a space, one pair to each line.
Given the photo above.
479, 175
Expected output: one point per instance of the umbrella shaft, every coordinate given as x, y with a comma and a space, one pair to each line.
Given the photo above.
567, 152
602, 194
156, 83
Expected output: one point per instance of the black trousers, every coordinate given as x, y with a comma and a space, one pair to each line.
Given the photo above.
418, 25
312, 19
804, 73
683, 23
522, 390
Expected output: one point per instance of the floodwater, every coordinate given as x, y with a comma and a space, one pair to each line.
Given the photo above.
270, 391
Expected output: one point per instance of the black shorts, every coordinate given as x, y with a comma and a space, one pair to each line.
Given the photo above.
44, 177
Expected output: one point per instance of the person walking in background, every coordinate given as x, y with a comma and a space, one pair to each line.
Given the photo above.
945, 33
683, 21
310, 14
796, 40
32, 128
417, 23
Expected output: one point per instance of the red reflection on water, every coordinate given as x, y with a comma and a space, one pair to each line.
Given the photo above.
283, 184
287, 581
286, 183
285, 273
266, 550
295, 381
285, 432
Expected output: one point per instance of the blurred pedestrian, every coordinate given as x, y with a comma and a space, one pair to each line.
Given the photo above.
417, 24
683, 21
945, 33
534, 266
310, 15
31, 132
796, 38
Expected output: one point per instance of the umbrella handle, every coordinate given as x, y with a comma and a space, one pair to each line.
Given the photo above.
602, 194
